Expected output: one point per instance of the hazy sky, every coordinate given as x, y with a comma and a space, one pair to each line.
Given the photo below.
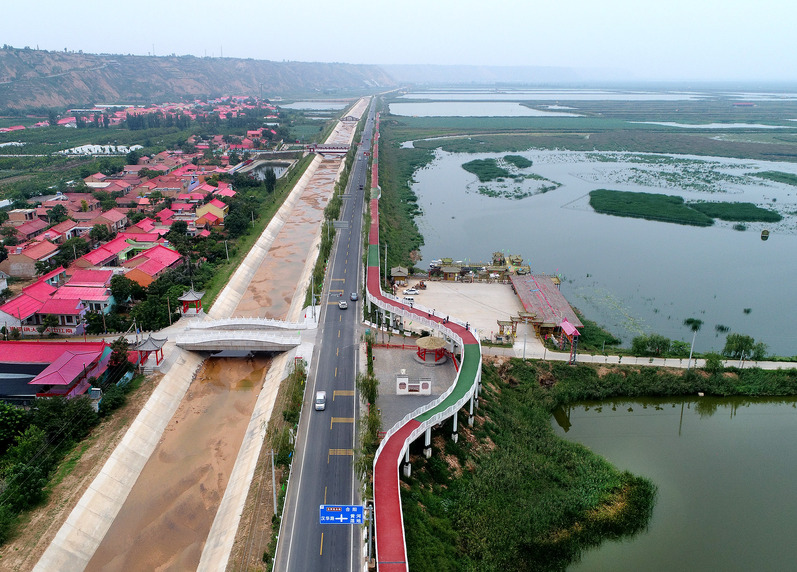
650, 40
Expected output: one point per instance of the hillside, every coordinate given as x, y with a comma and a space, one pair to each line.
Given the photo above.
37, 78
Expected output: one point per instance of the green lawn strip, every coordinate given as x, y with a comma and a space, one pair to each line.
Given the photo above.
467, 376
736, 212
651, 206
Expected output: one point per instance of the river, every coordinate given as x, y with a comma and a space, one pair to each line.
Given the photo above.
633, 276
723, 468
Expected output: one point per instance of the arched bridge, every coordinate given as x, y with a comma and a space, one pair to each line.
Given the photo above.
247, 334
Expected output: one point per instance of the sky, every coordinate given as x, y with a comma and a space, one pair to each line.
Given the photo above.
711, 40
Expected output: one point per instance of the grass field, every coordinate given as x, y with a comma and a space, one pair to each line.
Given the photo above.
736, 212
486, 169
651, 206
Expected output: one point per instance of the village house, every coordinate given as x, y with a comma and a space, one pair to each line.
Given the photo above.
150, 264
22, 259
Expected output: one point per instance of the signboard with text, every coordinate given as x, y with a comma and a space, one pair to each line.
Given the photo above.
341, 514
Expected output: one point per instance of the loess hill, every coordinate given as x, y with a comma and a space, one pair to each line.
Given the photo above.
38, 78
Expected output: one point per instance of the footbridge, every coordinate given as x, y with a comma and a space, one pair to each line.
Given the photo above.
241, 334
327, 149
391, 546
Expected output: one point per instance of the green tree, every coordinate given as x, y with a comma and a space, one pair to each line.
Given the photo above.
13, 422
713, 362
99, 233
49, 321
270, 180
694, 324
57, 214
123, 289
42, 267
70, 250
738, 346
119, 349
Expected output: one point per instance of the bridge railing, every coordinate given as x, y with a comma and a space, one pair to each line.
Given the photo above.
243, 336
243, 323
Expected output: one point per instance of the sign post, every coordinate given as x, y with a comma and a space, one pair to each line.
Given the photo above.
340, 514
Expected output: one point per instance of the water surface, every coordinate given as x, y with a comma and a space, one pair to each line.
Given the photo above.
633, 276
724, 470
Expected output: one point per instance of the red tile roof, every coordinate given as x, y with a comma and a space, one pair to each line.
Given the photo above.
61, 307
90, 277
87, 293
67, 367
42, 352
40, 250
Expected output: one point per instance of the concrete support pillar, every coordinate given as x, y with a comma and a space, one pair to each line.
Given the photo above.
470, 411
455, 435
427, 443
407, 466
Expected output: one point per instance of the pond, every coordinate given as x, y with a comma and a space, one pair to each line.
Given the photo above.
552, 95
724, 471
472, 109
631, 275
319, 104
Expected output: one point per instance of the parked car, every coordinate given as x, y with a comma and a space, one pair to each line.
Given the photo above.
320, 400
354, 296
343, 304
410, 292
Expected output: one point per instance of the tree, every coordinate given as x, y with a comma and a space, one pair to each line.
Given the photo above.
270, 180
13, 422
738, 346
42, 267
122, 289
70, 250
694, 324
119, 348
713, 362
99, 233
57, 214
49, 321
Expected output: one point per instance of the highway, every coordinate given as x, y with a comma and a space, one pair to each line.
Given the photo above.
322, 471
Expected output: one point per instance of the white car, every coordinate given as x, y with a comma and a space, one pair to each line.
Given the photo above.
343, 304
320, 400
410, 292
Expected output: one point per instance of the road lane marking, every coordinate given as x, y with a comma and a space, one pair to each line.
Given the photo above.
337, 352
338, 333
336, 280
336, 372
339, 453
334, 420
342, 393
325, 495
321, 552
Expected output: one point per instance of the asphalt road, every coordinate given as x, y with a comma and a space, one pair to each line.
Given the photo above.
322, 471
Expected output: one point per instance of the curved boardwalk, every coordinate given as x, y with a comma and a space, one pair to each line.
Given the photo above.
391, 548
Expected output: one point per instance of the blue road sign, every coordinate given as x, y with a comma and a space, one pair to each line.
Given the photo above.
340, 514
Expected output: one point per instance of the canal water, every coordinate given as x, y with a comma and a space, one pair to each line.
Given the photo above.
633, 276
724, 469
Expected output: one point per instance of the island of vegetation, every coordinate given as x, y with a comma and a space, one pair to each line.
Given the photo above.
671, 208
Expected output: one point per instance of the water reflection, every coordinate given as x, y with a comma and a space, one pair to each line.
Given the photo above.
723, 467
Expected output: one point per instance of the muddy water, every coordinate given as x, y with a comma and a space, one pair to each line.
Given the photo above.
165, 519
